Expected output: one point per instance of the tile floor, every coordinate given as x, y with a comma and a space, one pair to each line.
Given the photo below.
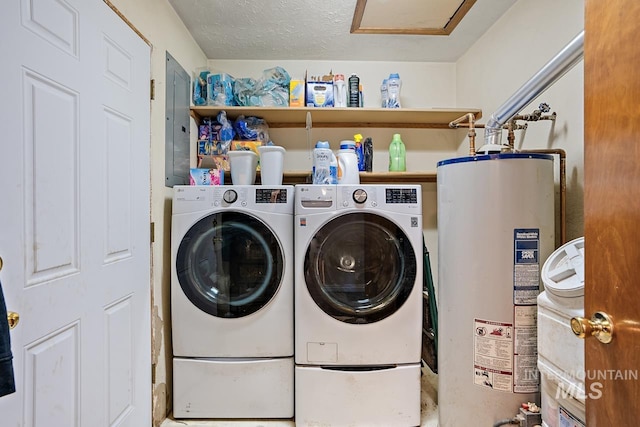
429, 411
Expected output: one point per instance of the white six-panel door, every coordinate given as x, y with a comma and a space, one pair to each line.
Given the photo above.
74, 214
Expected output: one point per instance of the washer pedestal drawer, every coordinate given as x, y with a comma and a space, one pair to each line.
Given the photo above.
233, 388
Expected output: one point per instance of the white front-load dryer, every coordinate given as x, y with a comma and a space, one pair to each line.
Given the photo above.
232, 301
358, 304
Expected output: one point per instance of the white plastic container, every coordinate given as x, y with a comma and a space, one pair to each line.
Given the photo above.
560, 353
325, 164
243, 164
348, 163
271, 164
384, 94
394, 84
339, 91
558, 408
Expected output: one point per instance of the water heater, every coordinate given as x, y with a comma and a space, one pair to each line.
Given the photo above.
495, 230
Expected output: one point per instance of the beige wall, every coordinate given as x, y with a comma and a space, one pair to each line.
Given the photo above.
159, 23
522, 41
508, 55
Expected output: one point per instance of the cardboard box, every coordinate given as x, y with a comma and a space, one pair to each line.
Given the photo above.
216, 161
319, 90
296, 93
211, 148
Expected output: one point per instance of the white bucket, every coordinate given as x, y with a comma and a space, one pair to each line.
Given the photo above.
243, 164
271, 164
560, 352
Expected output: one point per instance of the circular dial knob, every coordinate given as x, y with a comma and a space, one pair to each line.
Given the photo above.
230, 196
359, 196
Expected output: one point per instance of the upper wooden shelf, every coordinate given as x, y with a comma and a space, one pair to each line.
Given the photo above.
304, 177
293, 117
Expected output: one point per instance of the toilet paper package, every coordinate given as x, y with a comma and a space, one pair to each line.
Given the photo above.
201, 176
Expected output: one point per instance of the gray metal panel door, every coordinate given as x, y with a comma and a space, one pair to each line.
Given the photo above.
177, 129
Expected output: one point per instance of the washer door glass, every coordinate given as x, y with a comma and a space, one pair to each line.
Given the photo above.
229, 264
360, 268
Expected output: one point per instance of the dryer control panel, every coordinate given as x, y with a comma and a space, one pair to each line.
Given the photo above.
271, 195
394, 198
401, 195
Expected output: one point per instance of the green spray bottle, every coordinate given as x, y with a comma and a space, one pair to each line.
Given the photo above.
397, 155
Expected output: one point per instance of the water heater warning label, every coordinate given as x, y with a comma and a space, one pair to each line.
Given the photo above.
526, 265
525, 352
493, 355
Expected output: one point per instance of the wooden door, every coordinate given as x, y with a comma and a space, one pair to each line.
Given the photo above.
612, 208
74, 215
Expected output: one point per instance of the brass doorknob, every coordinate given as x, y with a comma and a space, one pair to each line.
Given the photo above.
599, 326
13, 318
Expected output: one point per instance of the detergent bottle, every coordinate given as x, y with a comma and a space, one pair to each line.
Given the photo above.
348, 163
397, 155
359, 151
393, 91
325, 164
339, 91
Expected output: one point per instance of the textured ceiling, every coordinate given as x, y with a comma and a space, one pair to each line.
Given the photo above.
314, 30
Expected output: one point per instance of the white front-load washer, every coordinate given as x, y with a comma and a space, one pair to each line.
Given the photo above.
358, 304
232, 301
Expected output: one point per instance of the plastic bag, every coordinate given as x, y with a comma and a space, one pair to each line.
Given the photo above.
271, 90
220, 89
251, 129
200, 87
226, 131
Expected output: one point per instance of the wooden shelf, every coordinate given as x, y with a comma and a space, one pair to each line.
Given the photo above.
296, 117
304, 177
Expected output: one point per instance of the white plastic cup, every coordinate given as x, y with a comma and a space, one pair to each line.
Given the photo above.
271, 164
243, 164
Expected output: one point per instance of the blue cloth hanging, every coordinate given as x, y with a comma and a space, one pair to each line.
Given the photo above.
7, 382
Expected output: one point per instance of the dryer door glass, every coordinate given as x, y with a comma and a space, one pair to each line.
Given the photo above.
229, 264
360, 268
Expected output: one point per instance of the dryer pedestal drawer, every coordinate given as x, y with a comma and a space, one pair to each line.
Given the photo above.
233, 388
384, 397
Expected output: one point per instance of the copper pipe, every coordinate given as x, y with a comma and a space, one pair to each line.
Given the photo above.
511, 127
563, 187
511, 136
470, 118
535, 116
